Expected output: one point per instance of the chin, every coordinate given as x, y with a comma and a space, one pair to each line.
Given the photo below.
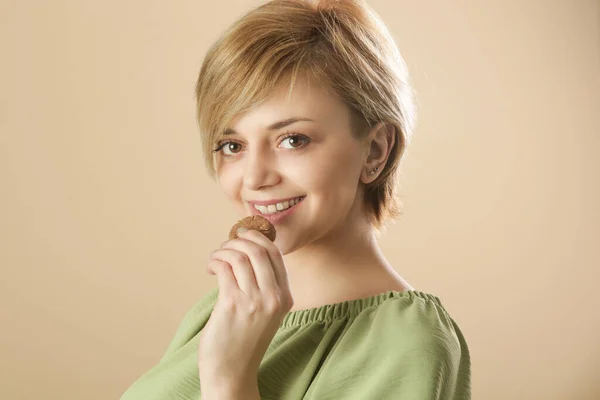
285, 246
282, 245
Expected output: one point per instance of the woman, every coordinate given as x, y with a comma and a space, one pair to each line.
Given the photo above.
305, 111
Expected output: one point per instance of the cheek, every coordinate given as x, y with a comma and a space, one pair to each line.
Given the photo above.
229, 181
336, 174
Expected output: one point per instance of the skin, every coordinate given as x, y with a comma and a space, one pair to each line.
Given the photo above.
329, 249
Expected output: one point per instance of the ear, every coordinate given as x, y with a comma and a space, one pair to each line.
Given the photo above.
379, 145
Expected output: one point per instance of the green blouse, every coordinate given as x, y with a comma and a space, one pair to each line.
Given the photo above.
394, 345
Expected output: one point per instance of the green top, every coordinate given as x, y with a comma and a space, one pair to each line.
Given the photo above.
394, 345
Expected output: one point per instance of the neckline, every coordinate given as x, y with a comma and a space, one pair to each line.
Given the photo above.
349, 308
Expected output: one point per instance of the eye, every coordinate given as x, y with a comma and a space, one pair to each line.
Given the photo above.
295, 140
228, 145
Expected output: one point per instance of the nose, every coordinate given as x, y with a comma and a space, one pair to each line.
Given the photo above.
259, 171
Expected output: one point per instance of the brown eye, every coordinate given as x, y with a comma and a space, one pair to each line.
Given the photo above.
296, 141
293, 141
231, 146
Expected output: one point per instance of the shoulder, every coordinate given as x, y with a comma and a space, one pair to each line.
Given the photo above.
416, 322
411, 340
399, 344
420, 338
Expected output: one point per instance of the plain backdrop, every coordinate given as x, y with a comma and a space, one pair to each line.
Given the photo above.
107, 215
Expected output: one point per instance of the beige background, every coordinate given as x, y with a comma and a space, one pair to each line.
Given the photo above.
107, 216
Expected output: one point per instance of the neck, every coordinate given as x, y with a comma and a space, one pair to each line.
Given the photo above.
346, 263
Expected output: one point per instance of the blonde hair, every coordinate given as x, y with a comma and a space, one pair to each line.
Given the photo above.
342, 44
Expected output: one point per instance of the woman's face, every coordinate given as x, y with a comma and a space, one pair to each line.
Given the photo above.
318, 160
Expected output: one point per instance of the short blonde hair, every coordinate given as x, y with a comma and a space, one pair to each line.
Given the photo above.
339, 43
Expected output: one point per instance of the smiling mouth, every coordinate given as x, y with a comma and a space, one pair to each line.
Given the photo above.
274, 209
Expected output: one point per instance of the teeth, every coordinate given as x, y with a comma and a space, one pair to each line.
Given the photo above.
273, 208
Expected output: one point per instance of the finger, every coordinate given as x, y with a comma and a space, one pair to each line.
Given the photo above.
278, 265
241, 267
225, 277
260, 261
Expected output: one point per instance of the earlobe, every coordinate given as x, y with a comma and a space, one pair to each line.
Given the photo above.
370, 175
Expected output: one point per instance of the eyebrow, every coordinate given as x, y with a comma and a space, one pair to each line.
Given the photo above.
275, 126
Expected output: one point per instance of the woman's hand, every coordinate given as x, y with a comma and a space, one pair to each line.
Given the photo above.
254, 297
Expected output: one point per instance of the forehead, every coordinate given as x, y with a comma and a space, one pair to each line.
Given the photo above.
306, 100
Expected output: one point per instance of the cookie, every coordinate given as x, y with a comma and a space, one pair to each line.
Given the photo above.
254, 222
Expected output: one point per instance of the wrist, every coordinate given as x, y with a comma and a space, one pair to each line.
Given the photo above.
225, 389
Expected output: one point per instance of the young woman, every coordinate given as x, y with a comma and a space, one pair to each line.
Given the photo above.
305, 111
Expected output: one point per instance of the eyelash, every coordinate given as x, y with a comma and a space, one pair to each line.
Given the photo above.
287, 135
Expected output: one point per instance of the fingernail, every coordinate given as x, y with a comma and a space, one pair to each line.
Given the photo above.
241, 230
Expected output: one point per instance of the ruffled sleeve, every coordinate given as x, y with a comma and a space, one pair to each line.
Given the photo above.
193, 322
429, 355
406, 348
176, 374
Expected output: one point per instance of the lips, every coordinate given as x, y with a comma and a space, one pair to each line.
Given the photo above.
278, 207
280, 215
272, 202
